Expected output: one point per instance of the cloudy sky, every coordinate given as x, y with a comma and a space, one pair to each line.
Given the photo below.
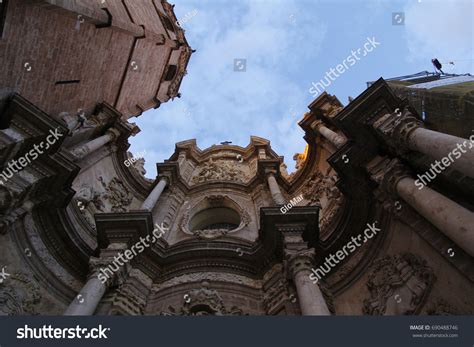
288, 44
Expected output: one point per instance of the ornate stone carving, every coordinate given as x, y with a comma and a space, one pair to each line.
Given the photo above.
299, 260
203, 302
18, 295
5, 203
140, 166
213, 201
211, 276
117, 194
387, 173
321, 188
443, 308
87, 195
128, 300
398, 285
221, 170
397, 127
276, 296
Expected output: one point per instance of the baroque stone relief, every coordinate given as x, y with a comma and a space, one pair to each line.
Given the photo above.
220, 170
203, 302
320, 188
398, 285
116, 194
277, 295
18, 295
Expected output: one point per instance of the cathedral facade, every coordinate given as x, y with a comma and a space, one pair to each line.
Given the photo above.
363, 227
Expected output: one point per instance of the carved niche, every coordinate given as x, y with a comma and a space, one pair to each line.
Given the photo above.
18, 295
203, 302
207, 204
219, 170
398, 285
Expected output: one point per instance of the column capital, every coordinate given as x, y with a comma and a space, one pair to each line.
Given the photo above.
270, 172
317, 124
103, 262
387, 173
297, 254
299, 260
114, 133
397, 127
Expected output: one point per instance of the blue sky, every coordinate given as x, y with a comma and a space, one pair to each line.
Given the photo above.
288, 44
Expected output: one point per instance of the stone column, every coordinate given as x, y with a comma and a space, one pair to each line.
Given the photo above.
83, 150
300, 260
455, 221
336, 139
88, 298
450, 218
275, 189
406, 131
152, 198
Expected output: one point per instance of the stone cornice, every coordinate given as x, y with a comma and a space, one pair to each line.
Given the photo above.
162, 261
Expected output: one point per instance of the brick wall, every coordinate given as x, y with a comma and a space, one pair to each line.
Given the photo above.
69, 55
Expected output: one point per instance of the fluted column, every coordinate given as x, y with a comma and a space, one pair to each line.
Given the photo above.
336, 139
83, 150
275, 189
450, 218
300, 260
405, 130
152, 199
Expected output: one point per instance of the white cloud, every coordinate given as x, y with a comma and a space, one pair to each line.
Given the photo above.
221, 104
441, 29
